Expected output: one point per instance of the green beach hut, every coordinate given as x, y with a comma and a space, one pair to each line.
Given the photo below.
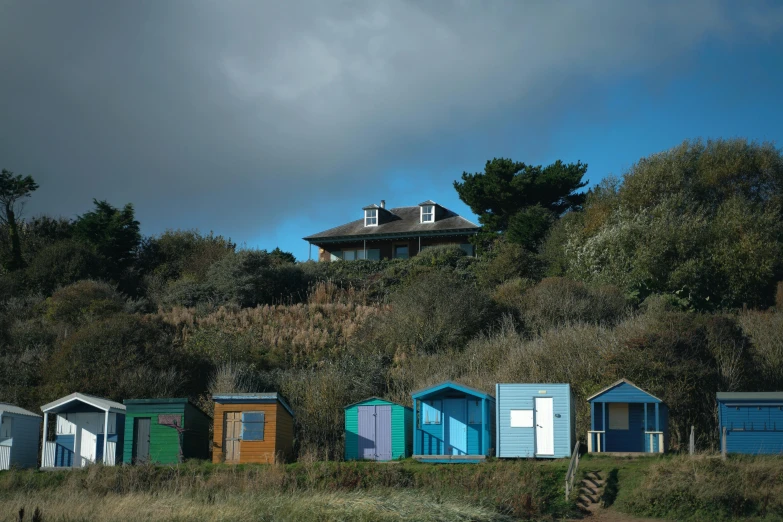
376, 429
165, 431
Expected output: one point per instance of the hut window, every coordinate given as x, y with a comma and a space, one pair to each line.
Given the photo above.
430, 412
474, 412
618, 416
253, 425
521, 418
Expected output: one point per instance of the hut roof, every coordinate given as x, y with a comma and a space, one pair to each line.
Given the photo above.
618, 383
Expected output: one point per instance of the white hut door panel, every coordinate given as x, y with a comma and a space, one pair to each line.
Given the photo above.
89, 444
64, 426
545, 426
383, 429
367, 427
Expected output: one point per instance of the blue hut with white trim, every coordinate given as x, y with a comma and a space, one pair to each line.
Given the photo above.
751, 422
453, 423
626, 419
89, 430
19, 435
535, 420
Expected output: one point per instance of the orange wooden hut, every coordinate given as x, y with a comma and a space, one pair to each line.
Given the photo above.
252, 428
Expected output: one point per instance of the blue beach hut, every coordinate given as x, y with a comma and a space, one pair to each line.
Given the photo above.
626, 419
453, 423
751, 422
535, 420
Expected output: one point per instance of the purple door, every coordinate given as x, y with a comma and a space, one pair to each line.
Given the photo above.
367, 432
383, 445
375, 432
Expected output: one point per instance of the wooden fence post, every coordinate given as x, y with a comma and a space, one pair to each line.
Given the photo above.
692, 442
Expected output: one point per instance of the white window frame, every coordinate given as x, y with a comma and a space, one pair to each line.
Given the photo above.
371, 213
431, 213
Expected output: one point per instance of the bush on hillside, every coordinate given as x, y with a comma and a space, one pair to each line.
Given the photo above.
84, 301
434, 312
63, 263
557, 301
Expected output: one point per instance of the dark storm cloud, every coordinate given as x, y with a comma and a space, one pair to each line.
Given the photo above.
234, 115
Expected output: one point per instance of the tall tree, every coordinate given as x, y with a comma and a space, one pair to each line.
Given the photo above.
522, 200
114, 233
14, 189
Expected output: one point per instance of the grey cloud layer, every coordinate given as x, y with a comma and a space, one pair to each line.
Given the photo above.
218, 114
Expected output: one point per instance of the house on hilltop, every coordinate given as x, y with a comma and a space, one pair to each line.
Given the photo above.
394, 233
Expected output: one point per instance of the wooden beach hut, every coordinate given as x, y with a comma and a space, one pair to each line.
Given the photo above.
377, 429
626, 419
252, 427
453, 423
751, 422
535, 420
20, 432
165, 431
89, 430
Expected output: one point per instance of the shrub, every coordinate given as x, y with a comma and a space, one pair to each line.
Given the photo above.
63, 263
434, 312
504, 262
83, 301
559, 301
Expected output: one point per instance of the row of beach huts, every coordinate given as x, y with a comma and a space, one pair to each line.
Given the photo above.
449, 422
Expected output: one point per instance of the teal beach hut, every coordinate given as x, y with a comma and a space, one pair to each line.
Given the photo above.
377, 429
453, 423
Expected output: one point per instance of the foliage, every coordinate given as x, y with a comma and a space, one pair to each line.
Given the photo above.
83, 302
505, 261
13, 189
522, 200
701, 221
62, 263
114, 233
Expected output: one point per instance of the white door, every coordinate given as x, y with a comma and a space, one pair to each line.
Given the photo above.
89, 443
545, 426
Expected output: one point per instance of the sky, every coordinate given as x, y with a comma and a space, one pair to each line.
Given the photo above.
269, 121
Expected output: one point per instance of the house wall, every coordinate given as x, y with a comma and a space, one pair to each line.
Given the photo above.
285, 433
755, 428
519, 442
196, 443
263, 451
164, 441
386, 246
24, 440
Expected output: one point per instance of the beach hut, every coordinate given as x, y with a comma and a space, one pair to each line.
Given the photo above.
89, 429
165, 431
626, 419
20, 431
751, 422
376, 429
535, 420
252, 427
453, 423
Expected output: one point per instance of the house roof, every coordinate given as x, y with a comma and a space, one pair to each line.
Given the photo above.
454, 386
374, 398
250, 398
750, 396
401, 221
10, 408
96, 402
618, 383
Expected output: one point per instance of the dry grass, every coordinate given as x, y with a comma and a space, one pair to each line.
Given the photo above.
376, 505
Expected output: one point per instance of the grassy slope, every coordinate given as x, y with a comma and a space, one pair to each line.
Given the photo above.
670, 487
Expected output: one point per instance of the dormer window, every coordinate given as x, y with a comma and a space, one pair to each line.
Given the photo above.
371, 217
427, 213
